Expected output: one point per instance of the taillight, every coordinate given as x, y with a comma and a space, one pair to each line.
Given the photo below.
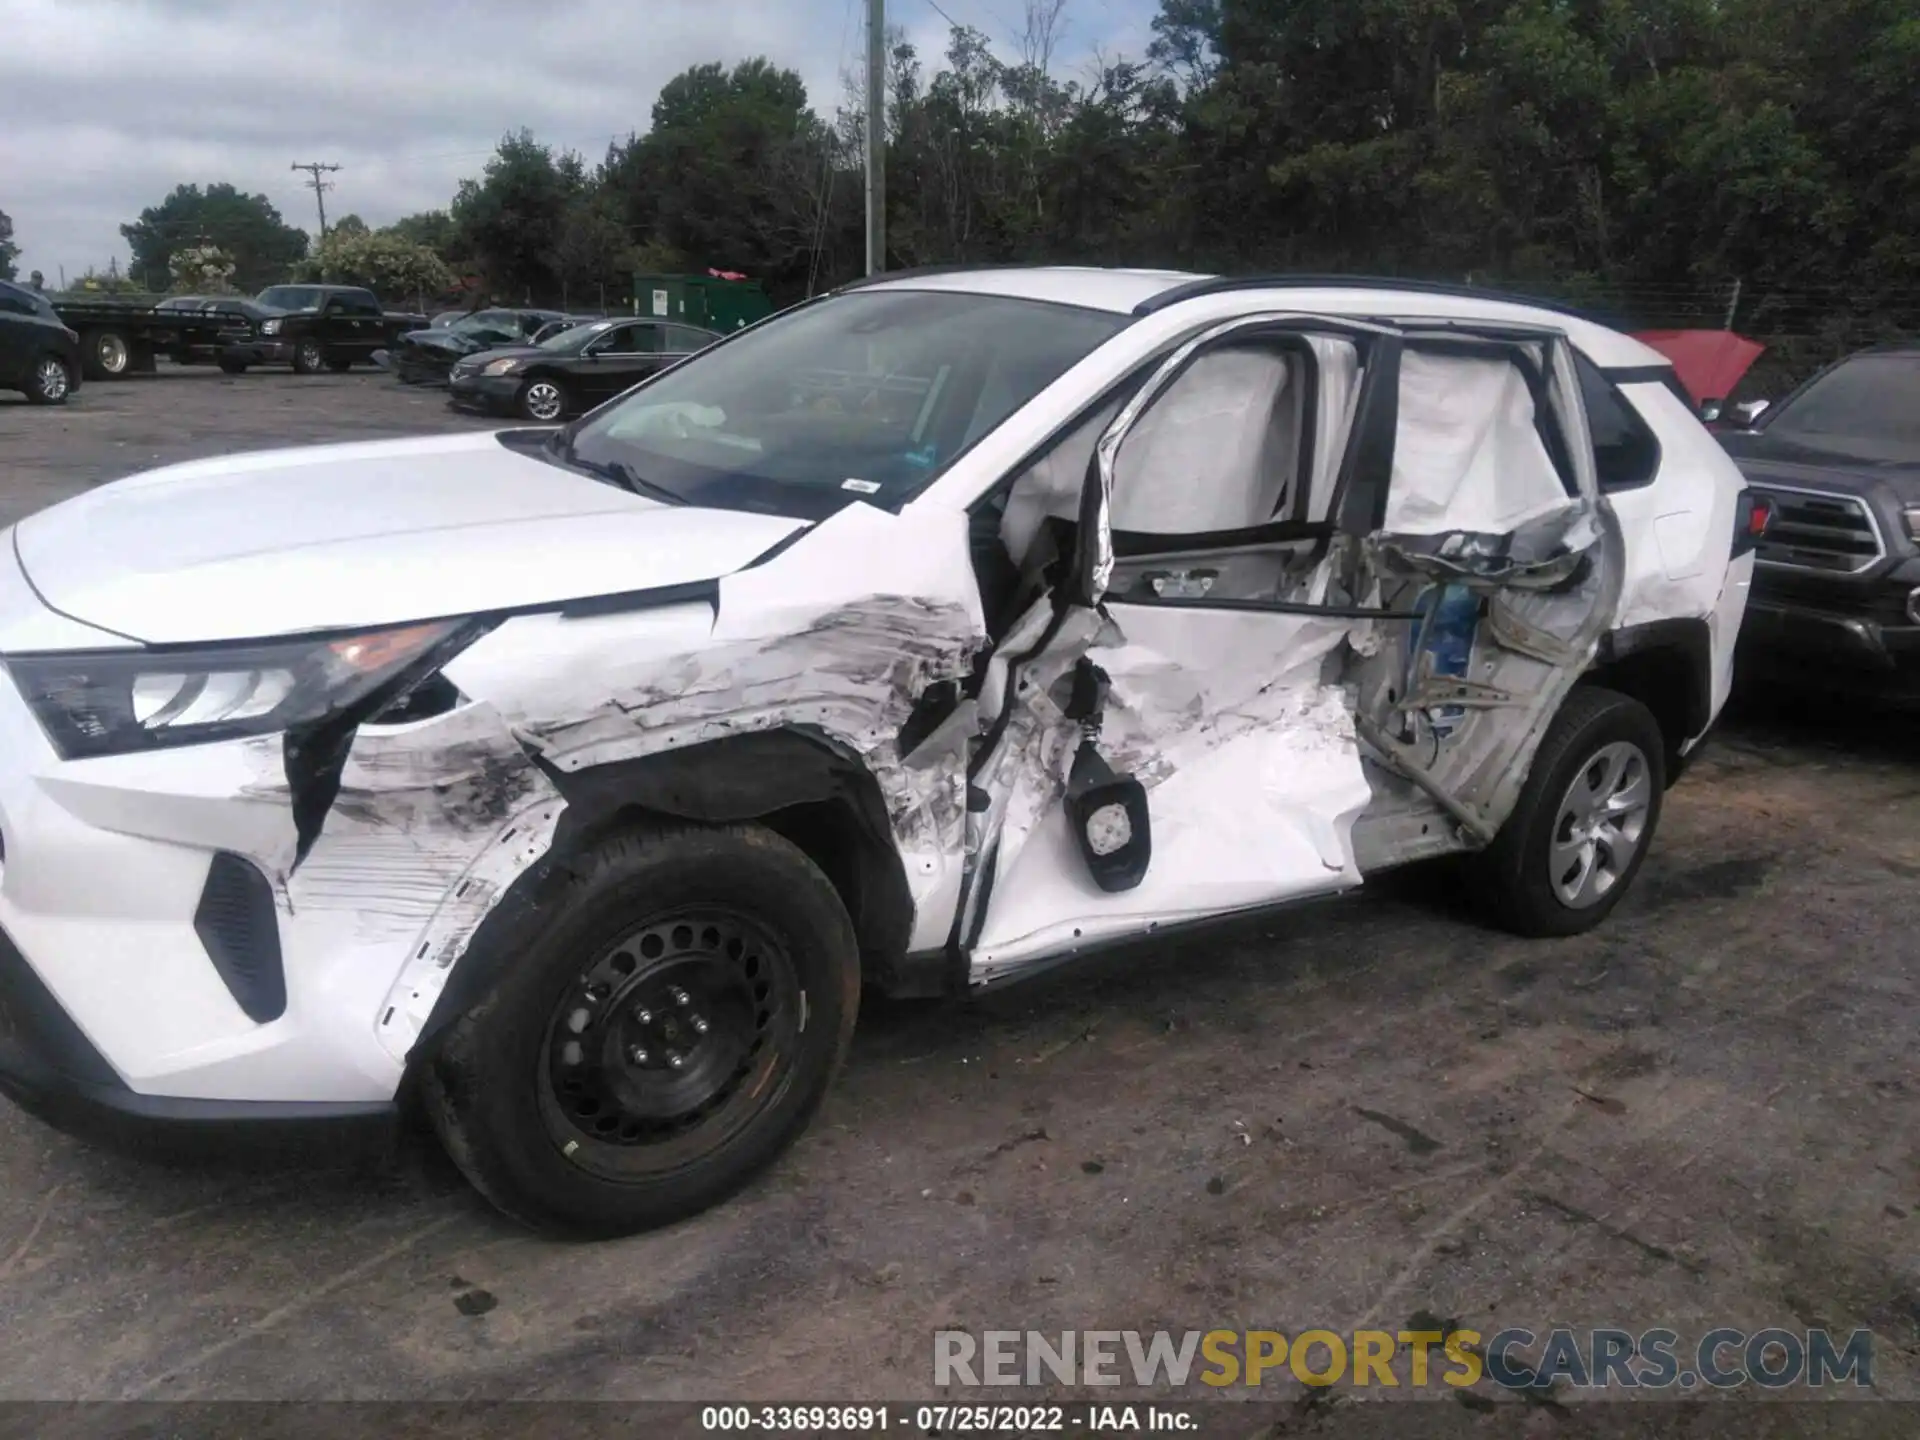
1751, 519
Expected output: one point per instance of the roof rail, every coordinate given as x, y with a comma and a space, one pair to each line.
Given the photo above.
917, 272
1225, 284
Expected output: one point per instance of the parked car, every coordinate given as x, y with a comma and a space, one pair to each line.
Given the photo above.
572, 370
1836, 594
423, 357
238, 321
315, 327
39, 356
913, 640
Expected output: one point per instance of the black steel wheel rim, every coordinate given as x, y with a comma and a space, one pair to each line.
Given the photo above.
669, 1042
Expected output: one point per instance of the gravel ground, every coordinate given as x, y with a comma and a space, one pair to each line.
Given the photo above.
1376, 1112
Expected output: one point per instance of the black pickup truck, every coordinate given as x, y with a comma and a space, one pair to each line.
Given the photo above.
1835, 605
120, 338
316, 327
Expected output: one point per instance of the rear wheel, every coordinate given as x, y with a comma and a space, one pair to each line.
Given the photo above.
50, 383
232, 367
109, 355
308, 357
1584, 821
542, 400
661, 1040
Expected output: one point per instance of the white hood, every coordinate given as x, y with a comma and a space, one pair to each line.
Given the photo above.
339, 536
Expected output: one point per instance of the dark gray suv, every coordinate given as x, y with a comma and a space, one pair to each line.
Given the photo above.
38, 355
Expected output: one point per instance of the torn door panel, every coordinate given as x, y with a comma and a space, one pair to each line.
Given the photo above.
1514, 565
1253, 775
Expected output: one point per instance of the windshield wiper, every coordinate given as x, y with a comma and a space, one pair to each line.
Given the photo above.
618, 471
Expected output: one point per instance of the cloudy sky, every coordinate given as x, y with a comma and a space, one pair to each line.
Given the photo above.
106, 105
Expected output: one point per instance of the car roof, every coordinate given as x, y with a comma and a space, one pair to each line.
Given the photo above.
1123, 291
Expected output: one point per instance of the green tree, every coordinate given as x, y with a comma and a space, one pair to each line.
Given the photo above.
247, 227
510, 220
9, 252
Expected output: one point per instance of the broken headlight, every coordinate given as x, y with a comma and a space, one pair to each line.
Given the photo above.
112, 702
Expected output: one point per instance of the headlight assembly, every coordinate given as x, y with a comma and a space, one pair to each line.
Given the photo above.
269, 327
502, 367
114, 702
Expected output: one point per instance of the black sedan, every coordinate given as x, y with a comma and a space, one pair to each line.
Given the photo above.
574, 370
423, 357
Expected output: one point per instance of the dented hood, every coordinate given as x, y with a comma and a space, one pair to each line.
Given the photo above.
340, 536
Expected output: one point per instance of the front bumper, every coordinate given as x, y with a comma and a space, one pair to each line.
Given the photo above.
493, 394
155, 994
418, 367
259, 352
52, 1071
1790, 641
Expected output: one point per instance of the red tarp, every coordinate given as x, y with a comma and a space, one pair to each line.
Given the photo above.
1709, 362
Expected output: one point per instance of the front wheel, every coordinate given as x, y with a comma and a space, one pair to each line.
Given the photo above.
541, 400
308, 357
664, 1036
50, 383
1584, 821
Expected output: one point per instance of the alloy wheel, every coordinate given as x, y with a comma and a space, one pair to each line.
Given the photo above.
1600, 825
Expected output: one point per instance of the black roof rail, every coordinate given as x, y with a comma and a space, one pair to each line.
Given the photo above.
1226, 284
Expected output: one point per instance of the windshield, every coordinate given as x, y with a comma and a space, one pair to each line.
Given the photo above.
574, 336
289, 297
866, 396
1872, 401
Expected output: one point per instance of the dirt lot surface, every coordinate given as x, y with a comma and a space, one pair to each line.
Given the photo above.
1375, 1113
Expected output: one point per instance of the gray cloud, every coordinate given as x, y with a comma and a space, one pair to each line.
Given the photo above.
106, 105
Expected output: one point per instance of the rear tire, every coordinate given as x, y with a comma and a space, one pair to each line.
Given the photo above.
308, 357
51, 381
108, 355
232, 367
542, 400
575, 1093
1584, 821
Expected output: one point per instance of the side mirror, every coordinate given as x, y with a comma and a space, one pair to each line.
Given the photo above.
1751, 411
1711, 411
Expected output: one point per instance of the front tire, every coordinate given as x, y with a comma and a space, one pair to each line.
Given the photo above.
1584, 821
541, 400
663, 1037
308, 357
50, 383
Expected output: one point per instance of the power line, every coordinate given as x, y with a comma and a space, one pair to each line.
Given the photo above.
316, 168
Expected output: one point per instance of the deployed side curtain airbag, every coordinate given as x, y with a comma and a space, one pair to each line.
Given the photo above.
1336, 394
1216, 452
1467, 454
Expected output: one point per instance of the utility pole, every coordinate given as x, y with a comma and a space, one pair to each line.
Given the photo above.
876, 136
319, 188
1733, 306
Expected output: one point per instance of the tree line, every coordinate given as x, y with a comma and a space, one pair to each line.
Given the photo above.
1668, 162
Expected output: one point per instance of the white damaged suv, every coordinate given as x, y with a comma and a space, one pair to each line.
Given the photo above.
579, 781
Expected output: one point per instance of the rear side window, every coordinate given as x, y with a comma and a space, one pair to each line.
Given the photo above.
1625, 453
